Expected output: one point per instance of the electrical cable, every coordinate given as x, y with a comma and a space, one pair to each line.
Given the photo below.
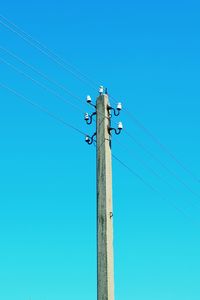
43, 49
44, 110
50, 56
92, 82
159, 143
182, 212
141, 179
41, 74
163, 147
43, 86
156, 174
56, 59
41, 108
40, 84
162, 164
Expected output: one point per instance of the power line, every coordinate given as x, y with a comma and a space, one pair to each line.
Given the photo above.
158, 142
44, 110
45, 77
41, 74
60, 120
40, 84
156, 174
91, 81
41, 108
51, 55
140, 178
162, 164
43, 86
43, 49
162, 146
63, 99
38, 45
153, 189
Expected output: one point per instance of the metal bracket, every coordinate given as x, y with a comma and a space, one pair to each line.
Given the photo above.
117, 131
90, 139
89, 118
115, 111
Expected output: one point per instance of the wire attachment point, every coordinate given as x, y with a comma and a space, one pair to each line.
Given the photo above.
101, 90
117, 110
89, 118
89, 101
118, 130
90, 139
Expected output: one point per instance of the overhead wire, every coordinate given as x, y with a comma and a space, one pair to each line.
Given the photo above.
44, 110
43, 75
91, 81
163, 147
147, 184
81, 132
151, 187
141, 179
155, 173
40, 84
51, 55
38, 45
46, 51
41, 108
178, 178
135, 174
158, 142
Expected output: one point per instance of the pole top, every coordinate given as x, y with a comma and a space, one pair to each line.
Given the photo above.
101, 90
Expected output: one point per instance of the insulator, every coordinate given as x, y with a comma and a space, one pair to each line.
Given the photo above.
86, 116
119, 106
89, 99
120, 126
87, 138
101, 89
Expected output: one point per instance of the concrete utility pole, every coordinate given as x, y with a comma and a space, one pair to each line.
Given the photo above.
105, 268
104, 202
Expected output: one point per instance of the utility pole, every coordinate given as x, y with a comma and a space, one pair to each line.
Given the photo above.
105, 267
104, 203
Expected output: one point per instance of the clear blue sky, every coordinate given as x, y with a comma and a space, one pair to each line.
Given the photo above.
148, 55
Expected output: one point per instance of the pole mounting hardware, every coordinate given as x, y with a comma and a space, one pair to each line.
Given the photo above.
111, 214
89, 101
111, 111
90, 139
118, 130
116, 110
101, 90
89, 118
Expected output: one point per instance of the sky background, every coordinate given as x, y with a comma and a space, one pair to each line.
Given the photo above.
148, 55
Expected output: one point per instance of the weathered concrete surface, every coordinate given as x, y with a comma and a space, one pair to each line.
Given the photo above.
104, 203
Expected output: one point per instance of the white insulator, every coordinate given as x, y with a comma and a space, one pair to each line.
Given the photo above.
101, 89
119, 106
89, 99
86, 116
87, 138
120, 126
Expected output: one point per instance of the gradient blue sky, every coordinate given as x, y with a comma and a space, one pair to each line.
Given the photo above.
147, 54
